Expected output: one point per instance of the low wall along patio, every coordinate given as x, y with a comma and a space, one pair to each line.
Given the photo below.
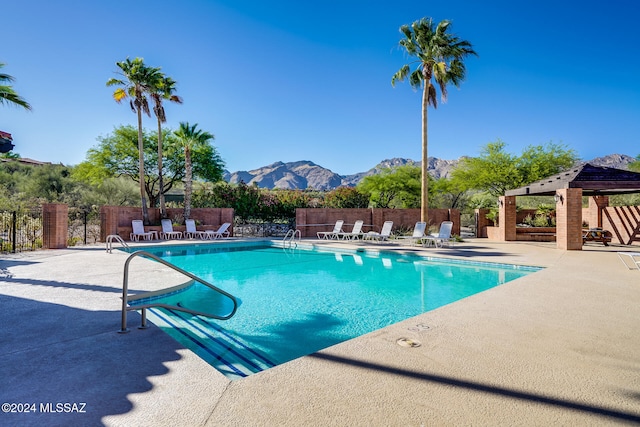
311, 220
117, 219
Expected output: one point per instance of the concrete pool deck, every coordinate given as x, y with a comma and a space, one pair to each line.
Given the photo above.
558, 347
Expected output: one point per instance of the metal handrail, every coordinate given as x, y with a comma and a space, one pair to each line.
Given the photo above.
143, 307
117, 238
291, 235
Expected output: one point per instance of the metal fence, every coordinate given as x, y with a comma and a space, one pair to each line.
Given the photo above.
20, 230
262, 229
84, 226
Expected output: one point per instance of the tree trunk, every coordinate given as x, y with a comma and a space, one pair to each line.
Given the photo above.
187, 182
424, 198
163, 211
145, 212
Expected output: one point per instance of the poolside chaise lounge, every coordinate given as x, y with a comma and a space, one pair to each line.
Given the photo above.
221, 233
191, 231
443, 236
354, 234
633, 256
337, 228
418, 233
137, 231
167, 230
384, 234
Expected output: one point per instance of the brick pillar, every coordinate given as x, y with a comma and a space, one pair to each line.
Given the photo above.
507, 218
55, 225
481, 222
108, 221
596, 205
569, 219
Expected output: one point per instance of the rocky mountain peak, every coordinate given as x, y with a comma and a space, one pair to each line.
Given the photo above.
305, 174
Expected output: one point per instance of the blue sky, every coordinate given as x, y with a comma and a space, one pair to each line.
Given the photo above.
293, 80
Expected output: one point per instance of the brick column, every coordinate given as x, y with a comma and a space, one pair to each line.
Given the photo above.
55, 225
596, 205
108, 221
507, 218
569, 219
481, 222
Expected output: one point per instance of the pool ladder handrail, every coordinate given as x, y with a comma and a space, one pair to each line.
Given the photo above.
291, 235
143, 307
114, 237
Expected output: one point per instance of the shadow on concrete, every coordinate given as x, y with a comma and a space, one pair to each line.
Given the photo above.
466, 251
479, 387
290, 340
56, 284
54, 354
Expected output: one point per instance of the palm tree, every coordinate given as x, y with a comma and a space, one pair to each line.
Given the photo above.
440, 58
163, 89
138, 82
7, 94
191, 139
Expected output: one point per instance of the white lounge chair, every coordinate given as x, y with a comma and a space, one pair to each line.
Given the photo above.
137, 231
382, 235
221, 233
443, 236
192, 232
418, 233
354, 234
634, 259
167, 230
337, 228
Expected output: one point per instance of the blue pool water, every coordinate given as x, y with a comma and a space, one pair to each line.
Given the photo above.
296, 302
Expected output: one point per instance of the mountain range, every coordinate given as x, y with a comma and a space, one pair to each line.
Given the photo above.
306, 174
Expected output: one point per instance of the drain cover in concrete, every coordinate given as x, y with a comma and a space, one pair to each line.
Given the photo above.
407, 342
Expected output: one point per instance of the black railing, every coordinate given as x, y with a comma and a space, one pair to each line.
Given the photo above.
84, 226
20, 230
262, 229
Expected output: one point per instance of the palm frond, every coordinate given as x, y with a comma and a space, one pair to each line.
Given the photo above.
119, 94
440, 56
400, 75
432, 98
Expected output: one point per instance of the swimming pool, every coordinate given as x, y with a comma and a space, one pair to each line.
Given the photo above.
298, 301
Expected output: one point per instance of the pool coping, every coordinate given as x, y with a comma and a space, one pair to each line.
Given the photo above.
554, 347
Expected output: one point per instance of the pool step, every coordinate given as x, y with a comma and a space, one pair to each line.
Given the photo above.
216, 345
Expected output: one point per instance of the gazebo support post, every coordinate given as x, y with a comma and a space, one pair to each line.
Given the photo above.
596, 205
569, 219
507, 218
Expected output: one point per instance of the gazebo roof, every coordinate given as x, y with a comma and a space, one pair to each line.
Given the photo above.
594, 180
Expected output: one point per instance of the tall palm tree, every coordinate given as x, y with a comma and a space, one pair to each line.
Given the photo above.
439, 57
139, 79
191, 139
163, 90
7, 94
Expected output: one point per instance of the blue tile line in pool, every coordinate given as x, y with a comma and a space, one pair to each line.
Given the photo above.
237, 359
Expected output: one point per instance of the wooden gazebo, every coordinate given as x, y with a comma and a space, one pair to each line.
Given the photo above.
597, 182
